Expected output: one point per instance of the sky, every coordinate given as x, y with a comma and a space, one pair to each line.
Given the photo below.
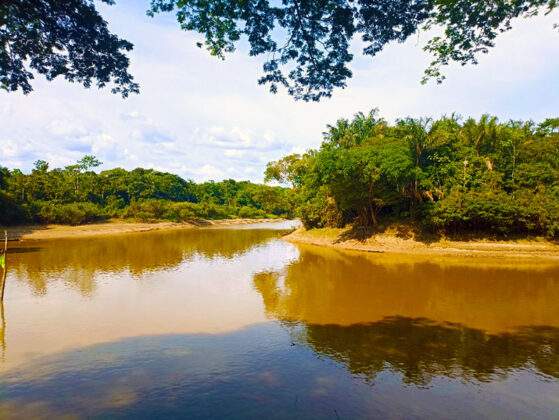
203, 118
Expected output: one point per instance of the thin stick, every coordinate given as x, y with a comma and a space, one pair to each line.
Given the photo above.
2, 315
2, 332
5, 268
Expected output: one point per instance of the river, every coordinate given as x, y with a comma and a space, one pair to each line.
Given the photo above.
237, 323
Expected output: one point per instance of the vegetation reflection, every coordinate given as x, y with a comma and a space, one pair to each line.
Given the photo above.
329, 287
421, 320
79, 261
251, 372
420, 349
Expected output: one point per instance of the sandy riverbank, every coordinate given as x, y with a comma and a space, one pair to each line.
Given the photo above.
114, 227
391, 243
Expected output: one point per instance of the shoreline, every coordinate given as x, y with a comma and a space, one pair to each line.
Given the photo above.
390, 243
334, 238
116, 227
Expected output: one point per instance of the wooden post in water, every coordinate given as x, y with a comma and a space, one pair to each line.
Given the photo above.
3, 286
4, 256
2, 332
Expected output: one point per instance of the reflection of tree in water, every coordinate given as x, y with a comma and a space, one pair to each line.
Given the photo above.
324, 288
254, 372
421, 320
420, 349
78, 261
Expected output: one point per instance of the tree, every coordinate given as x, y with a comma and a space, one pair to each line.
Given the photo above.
76, 194
41, 165
288, 170
308, 41
66, 38
88, 162
446, 175
4, 174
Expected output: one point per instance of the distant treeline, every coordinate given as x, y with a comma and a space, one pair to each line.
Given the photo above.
446, 175
77, 194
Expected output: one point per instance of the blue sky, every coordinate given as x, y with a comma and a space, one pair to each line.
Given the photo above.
203, 118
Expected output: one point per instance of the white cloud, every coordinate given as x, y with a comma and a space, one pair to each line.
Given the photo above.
208, 172
67, 128
234, 153
237, 138
12, 149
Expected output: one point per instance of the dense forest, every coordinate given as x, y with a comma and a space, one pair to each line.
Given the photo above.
448, 175
76, 194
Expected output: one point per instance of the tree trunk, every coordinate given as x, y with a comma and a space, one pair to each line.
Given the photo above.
374, 215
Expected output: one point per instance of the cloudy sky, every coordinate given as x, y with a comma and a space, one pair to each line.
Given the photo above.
203, 118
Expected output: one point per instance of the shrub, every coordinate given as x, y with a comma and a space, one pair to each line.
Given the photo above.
181, 212
213, 211
68, 214
320, 211
147, 210
11, 212
496, 212
251, 213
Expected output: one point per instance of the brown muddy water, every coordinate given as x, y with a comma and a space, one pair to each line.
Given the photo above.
236, 323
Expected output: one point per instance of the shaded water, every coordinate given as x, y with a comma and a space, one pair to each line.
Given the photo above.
237, 323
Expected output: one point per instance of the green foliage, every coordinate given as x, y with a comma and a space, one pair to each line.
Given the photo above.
76, 195
497, 212
10, 211
61, 38
307, 42
319, 210
251, 213
470, 28
482, 176
67, 214
151, 210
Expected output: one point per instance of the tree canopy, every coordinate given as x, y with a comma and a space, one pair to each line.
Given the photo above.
448, 175
75, 194
306, 42
61, 38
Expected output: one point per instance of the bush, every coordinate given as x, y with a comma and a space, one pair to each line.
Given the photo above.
320, 211
147, 210
496, 212
181, 212
213, 211
68, 214
251, 213
11, 212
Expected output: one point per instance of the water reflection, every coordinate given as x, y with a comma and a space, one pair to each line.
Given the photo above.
418, 319
255, 372
238, 324
420, 349
328, 287
421, 320
70, 294
79, 261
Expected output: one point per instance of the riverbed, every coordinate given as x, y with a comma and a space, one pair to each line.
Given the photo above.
238, 323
